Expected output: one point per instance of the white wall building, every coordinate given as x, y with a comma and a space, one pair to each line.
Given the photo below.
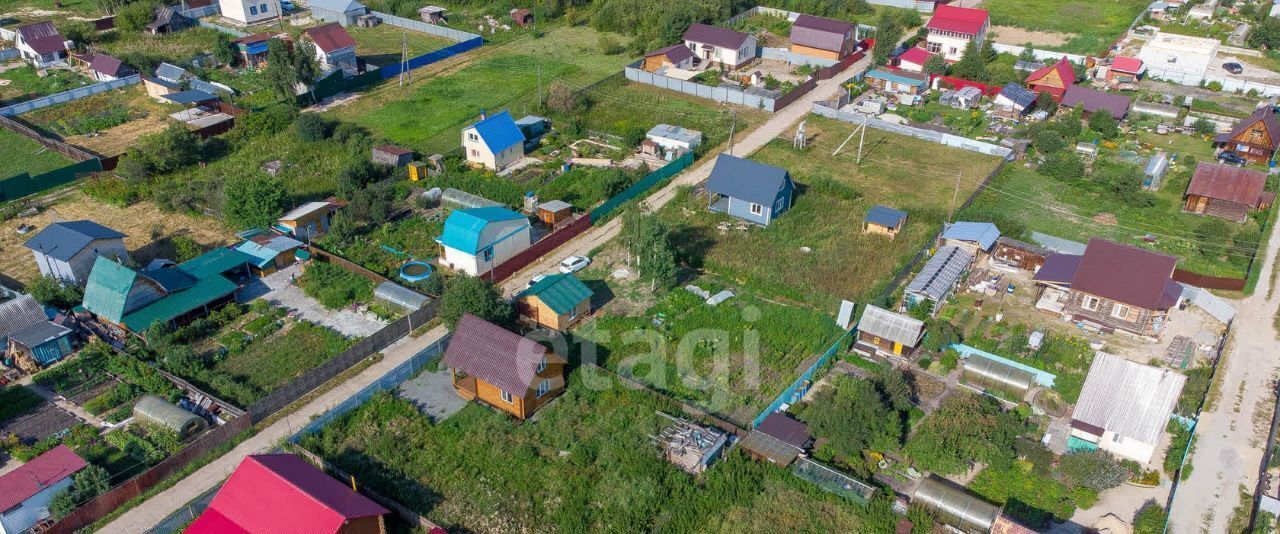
493, 143
952, 28
1178, 58
30, 488
1125, 406
719, 45
67, 250
249, 11
475, 240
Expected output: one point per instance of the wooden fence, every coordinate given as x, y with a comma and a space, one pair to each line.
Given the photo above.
75, 153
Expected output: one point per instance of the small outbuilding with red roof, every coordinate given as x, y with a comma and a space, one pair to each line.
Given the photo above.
1054, 79
25, 492
951, 28
335, 48
914, 59
1125, 69
283, 494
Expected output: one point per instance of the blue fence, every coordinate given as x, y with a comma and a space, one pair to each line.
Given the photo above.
794, 391
387, 382
428, 58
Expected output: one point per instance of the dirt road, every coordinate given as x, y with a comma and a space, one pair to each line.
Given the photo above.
743, 146
1233, 432
160, 506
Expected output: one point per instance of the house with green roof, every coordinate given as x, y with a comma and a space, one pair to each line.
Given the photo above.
134, 300
555, 301
475, 240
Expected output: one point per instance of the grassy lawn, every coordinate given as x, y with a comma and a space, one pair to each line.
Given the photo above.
25, 85
586, 465
835, 194
270, 362
98, 112
25, 155
86, 8
382, 44
1094, 25
705, 357
310, 167
139, 48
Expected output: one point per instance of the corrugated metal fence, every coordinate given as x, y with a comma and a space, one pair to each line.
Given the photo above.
234, 33
719, 94
794, 391
667, 171
9, 53
67, 96
419, 26
201, 12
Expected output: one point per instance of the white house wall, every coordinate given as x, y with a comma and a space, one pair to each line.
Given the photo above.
727, 56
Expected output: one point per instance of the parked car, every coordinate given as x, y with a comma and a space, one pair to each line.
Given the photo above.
1233, 67
536, 278
573, 264
1231, 158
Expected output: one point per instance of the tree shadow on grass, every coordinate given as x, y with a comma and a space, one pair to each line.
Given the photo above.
372, 474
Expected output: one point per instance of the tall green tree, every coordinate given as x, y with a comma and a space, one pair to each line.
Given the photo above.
223, 49
251, 201
971, 66
306, 68
647, 241
853, 416
935, 65
467, 294
966, 428
280, 73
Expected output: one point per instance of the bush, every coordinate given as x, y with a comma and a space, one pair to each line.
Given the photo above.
50, 291
1150, 519
1214, 86
1065, 166
1095, 470
334, 286
465, 294
1049, 141
311, 127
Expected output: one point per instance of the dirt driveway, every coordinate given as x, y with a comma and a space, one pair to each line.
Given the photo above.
1016, 36
278, 289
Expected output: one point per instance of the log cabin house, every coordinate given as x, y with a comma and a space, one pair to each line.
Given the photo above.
1255, 138
502, 369
1226, 192
1111, 287
555, 301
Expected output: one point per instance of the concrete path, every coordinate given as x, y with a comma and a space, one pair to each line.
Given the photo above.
278, 289
743, 146
155, 509
1232, 434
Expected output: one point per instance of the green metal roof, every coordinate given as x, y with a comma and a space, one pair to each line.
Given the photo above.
177, 304
214, 262
560, 292
107, 290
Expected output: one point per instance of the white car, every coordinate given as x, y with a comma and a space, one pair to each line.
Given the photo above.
536, 278
573, 264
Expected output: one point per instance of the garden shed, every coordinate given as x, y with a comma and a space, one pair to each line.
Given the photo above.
164, 413
993, 375
391, 155
400, 296
554, 212
956, 506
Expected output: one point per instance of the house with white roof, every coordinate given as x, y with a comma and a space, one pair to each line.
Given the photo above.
475, 240
493, 143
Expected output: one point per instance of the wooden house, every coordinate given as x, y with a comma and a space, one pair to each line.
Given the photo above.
677, 56
270, 252
1054, 79
1125, 70
1019, 254
1255, 138
748, 190
502, 369
168, 20
556, 301
1226, 192
310, 220
1112, 287
973, 237
822, 37
136, 300
884, 333
38, 345
884, 220
554, 212
898, 81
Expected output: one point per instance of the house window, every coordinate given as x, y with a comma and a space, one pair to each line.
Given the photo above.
933, 47
1120, 311
506, 397
954, 50
544, 387
263, 9
1090, 303
253, 10
472, 137
475, 153
757, 209
542, 364
486, 254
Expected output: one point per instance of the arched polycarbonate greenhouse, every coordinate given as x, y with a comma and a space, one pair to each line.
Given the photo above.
956, 506
156, 410
993, 375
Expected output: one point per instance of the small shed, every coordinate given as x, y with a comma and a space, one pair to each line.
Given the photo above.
956, 506
554, 212
392, 155
971, 236
533, 126
39, 345
1022, 255
164, 413
522, 17
993, 375
433, 14
674, 140
690, 447
884, 220
400, 296
939, 276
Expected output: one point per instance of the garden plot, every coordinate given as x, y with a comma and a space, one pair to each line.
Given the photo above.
24, 155
816, 253
282, 291
20, 82
140, 48
383, 44
586, 465
1088, 27
106, 123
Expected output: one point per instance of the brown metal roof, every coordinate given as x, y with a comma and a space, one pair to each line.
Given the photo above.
712, 35
1268, 118
785, 429
494, 354
1225, 182
42, 37
330, 37
821, 33
392, 149
1124, 273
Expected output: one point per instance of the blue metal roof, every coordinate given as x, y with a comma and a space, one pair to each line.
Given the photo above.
189, 96
983, 233
62, 240
748, 180
885, 216
881, 74
463, 228
264, 253
499, 132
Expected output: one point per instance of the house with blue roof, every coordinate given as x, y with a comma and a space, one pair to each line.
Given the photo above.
884, 220
971, 236
269, 252
1014, 101
67, 250
475, 240
898, 81
749, 190
493, 143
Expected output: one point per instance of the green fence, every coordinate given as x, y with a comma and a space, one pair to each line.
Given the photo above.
24, 184
646, 183
337, 83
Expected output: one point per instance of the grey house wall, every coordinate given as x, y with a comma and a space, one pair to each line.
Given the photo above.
346, 19
76, 271
742, 209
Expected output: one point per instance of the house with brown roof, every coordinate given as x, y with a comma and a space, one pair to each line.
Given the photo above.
101, 67
676, 56
1226, 192
40, 44
502, 369
712, 44
335, 48
1054, 79
1094, 101
1111, 287
1256, 137
822, 37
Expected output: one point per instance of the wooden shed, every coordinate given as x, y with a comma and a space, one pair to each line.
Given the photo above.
884, 220
1019, 254
522, 17
392, 155
554, 212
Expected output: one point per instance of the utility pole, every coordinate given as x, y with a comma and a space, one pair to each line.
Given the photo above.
732, 126
539, 80
404, 59
954, 196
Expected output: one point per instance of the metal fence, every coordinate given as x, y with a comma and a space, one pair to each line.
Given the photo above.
782, 54
793, 391
1197, 79
428, 58
1217, 308
667, 171
234, 33
178, 520
1041, 55
9, 53
68, 96
529, 255
728, 95
419, 26
955, 141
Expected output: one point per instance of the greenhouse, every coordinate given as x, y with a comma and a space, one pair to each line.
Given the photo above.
956, 506
400, 296
457, 199
993, 375
156, 410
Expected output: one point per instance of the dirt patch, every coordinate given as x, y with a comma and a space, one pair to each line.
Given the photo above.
145, 225
1020, 36
116, 140
1106, 218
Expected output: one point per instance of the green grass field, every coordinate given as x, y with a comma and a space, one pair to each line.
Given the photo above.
269, 363
25, 85
382, 44
1093, 23
139, 48
25, 155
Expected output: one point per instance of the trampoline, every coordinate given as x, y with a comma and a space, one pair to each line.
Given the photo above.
415, 271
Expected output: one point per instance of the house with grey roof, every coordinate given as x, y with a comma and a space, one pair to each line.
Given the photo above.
712, 44
822, 37
1124, 407
884, 333
19, 313
344, 12
971, 236
751, 191
939, 276
67, 250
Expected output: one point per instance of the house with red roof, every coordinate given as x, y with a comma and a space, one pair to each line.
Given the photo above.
335, 48
914, 59
1226, 191
1054, 79
502, 369
283, 494
951, 28
1111, 287
1255, 137
1124, 69
25, 492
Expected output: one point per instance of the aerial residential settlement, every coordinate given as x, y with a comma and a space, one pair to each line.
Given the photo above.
893, 266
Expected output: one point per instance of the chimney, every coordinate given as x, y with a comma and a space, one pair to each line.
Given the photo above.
484, 114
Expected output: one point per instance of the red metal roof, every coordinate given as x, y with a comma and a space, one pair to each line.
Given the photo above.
958, 19
40, 473
1125, 273
1065, 71
1126, 64
282, 493
915, 55
494, 354
330, 37
1225, 182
